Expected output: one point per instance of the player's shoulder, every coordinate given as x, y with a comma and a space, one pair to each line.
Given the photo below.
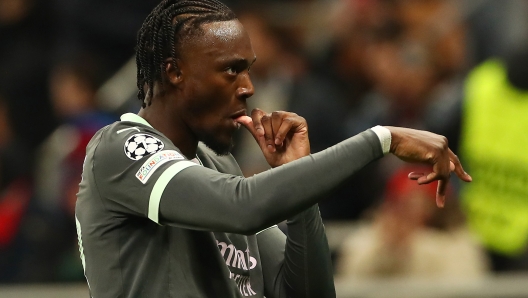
128, 125
130, 150
133, 138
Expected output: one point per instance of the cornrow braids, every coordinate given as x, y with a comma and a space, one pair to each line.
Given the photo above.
167, 27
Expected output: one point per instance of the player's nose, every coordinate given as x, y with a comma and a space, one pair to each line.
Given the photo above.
245, 89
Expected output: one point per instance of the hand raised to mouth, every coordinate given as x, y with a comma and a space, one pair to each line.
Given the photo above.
282, 136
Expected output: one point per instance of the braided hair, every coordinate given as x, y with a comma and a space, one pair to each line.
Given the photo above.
165, 29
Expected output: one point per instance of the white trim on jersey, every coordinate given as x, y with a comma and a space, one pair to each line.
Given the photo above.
385, 137
273, 226
125, 129
81, 248
161, 184
131, 117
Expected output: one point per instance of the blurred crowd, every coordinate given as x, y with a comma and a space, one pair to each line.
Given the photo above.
455, 67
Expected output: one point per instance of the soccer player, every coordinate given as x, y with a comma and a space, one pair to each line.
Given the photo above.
163, 209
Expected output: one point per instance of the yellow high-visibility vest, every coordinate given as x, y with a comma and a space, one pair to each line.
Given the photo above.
494, 149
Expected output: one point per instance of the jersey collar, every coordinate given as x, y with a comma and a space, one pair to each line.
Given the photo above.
131, 117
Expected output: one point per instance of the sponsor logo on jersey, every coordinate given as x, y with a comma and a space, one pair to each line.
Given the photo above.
235, 257
154, 162
239, 259
243, 284
139, 145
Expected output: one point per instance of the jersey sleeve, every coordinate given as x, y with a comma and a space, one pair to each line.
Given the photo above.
128, 163
140, 172
299, 265
204, 199
271, 245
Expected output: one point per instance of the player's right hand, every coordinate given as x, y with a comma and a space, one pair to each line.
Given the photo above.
282, 136
425, 147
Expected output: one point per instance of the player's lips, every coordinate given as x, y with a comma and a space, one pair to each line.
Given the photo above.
238, 115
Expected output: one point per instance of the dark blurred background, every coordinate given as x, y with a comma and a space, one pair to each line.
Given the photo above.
454, 67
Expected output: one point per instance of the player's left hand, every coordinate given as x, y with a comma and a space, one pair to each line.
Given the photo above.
425, 147
282, 136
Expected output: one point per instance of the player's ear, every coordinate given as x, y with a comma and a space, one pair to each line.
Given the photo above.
173, 71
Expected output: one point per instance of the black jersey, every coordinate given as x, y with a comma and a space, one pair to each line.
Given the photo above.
152, 223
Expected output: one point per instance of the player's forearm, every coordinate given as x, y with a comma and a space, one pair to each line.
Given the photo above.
246, 205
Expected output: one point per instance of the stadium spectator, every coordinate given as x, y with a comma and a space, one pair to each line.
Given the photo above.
496, 103
60, 158
15, 196
26, 40
409, 237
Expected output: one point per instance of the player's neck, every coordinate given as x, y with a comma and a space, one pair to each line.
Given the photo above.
172, 127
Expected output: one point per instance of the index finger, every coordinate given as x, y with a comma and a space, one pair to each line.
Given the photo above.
459, 170
256, 115
249, 124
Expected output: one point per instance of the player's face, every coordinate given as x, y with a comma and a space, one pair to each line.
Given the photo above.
216, 83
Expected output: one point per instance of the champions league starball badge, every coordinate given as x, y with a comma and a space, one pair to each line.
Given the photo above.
140, 145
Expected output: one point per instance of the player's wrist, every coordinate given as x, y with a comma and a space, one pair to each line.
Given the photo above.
384, 136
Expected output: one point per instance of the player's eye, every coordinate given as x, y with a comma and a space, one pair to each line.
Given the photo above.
231, 71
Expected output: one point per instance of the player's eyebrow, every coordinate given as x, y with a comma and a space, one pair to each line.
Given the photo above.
239, 62
242, 63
